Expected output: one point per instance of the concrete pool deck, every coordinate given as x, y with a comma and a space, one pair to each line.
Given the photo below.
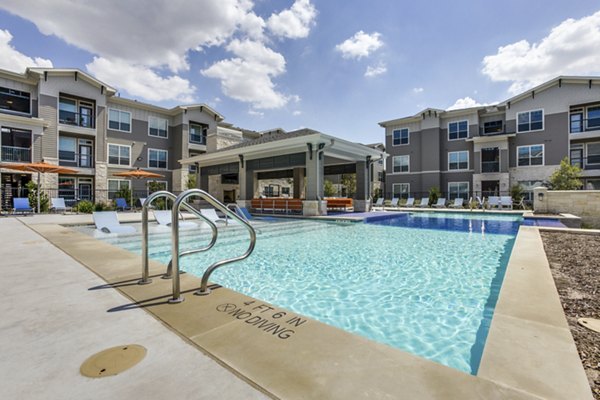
529, 353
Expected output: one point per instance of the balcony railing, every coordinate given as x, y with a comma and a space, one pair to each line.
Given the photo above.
76, 119
585, 125
16, 154
197, 139
490, 166
492, 130
70, 159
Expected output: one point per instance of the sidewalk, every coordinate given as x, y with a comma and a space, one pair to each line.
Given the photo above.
52, 322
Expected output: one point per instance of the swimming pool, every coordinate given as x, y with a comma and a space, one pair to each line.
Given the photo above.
425, 283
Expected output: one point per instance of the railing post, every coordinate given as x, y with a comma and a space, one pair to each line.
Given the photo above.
177, 298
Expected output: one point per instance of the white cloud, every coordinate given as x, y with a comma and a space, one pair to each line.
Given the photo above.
360, 45
296, 113
374, 70
142, 81
465, 102
418, 90
256, 113
571, 48
295, 22
13, 60
247, 77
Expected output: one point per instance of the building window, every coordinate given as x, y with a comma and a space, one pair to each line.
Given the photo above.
400, 137
401, 163
198, 133
458, 160
158, 127
119, 155
493, 127
593, 118
530, 121
458, 130
67, 148
116, 185
530, 155
592, 184
593, 154
528, 187
15, 101
76, 112
155, 186
458, 190
401, 190
157, 158
119, 120
16, 145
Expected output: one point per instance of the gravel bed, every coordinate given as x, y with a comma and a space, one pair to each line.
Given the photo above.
575, 263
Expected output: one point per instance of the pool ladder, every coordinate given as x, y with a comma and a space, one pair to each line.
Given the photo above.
173, 270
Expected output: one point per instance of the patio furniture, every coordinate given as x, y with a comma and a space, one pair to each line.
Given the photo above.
424, 202
122, 204
21, 205
163, 217
57, 204
394, 202
506, 201
211, 214
108, 222
379, 203
493, 202
458, 203
410, 202
441, 203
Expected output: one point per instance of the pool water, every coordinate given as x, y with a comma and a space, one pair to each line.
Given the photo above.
425, 283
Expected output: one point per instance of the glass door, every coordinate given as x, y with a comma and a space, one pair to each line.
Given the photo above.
85, 156
85, 191
576, 157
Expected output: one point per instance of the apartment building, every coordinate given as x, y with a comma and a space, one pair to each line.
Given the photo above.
69, 118
486, 150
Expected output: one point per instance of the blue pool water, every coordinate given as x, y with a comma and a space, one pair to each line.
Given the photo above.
425, 283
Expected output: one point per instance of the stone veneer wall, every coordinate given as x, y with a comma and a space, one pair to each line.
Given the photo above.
583, 203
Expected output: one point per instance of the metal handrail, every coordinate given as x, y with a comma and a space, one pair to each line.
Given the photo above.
204, 290
236, 208
147, 203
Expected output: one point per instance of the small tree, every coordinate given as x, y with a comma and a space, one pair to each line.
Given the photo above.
32, 188
434, 194
566, 177
328, 188
191, 182
516, 192
349, 181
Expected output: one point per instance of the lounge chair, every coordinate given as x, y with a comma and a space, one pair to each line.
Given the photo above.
458, 203
394, 202
506, 201
211, 214
57, 204
122, 204
424, 202
441, 203
108, 222
163, 217
245, 213
21, 205
493, 202
410, 202
379, 203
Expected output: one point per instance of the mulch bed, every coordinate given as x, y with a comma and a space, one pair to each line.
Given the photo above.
575, 263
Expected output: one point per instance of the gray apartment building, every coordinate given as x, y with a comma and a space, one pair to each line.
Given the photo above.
484, 151
69, 118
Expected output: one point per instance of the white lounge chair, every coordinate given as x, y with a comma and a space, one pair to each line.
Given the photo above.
57, 204
424, 202
506, 201
379, 203
211, 214
441, 203
458, 203
107, 222
410, 202
394, 202
163, 217
493, 202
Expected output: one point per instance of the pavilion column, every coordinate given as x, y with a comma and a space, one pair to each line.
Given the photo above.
314, 203
362, 201
246, 185
298, 182
202, 180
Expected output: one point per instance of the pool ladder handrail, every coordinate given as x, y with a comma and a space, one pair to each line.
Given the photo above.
179, 202
145, 256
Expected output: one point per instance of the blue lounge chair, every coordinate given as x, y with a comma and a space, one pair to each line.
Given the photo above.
21, 205
122, 204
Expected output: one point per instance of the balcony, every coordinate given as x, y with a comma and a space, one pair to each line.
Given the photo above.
490, 167
78, 160
197, 139
83, 120
16, 154
491, 129
584, 125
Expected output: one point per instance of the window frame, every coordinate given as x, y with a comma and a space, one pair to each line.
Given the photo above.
120, 112
119, 185
529, 123
587, 154
530, 165
457, 131
108, 155
458, 162
407, 184
204, 137
400, 138
156, 180
166, 158
153, 117
407, 164
18, 112
458, 192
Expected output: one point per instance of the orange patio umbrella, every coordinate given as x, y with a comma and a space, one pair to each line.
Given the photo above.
137, 174
40, 168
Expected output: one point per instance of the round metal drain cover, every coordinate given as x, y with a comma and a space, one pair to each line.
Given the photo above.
113, 361
590, 323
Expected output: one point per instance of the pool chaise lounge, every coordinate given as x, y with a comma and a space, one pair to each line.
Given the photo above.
379, 203
122, 204
441, 203
21, 205
394, 202
410, 202
58, 205
211, 214
424, 202
163, 217
458, 203
108, 222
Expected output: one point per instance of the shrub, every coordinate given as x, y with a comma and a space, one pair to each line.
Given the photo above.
566, 177
516, 192
328, 188
434, 195
32, 196
85, 207
103, 206
124, 193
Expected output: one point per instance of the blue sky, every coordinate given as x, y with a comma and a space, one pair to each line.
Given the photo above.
303, 63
